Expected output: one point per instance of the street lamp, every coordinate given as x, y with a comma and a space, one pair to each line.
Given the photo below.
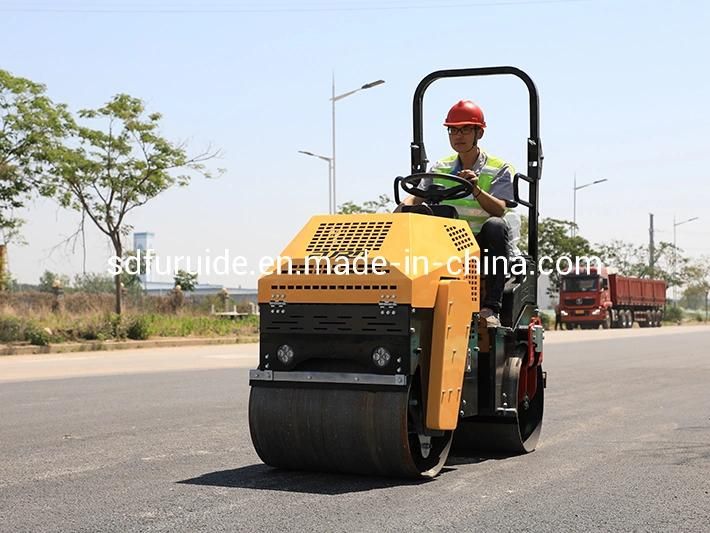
576, 188
334, 99
330, 176
675, 253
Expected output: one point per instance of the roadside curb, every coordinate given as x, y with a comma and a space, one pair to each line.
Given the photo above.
91, 346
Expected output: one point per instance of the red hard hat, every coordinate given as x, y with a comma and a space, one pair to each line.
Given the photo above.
464, 113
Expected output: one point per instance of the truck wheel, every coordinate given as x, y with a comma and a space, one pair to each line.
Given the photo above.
629, 318
651, 319
659, 318
647, 322
607, 322
570, 326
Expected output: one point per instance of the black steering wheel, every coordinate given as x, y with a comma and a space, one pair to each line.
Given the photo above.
436, 193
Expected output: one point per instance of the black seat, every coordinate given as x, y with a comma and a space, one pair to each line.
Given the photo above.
422, 209
445, 211
437, 210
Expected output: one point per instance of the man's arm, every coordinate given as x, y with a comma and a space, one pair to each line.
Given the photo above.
500, 195
494, 206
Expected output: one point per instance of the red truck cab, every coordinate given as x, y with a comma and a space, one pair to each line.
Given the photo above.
585, 300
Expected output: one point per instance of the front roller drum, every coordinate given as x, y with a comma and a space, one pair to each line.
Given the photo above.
516, 430
344, 430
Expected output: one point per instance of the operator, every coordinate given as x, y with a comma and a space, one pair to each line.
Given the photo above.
492, 195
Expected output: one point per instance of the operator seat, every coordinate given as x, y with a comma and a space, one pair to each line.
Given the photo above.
437, 210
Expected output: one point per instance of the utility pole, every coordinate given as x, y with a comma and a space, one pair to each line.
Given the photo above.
651, 249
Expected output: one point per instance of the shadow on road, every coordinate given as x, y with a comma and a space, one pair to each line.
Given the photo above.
262, 477
456, 460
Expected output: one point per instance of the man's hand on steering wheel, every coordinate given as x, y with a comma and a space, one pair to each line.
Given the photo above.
436, 193
472, 177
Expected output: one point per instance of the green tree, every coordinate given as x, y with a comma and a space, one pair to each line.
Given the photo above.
633, 260
131, 280
694, 297
10, 283
382, 204
113, 170
32, 128
554, 241
94, 283
696, 276
627, 258
49, 280
185, 280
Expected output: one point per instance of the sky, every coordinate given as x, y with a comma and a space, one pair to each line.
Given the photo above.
623, 96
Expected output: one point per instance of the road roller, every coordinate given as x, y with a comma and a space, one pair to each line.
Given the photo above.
373, 358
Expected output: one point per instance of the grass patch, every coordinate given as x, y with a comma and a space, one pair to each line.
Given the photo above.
47, 327
161, 325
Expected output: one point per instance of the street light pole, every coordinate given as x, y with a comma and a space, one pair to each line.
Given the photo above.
330, 176
334, 99
675, 253
574, 210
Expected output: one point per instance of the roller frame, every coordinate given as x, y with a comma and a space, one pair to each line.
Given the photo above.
346, 416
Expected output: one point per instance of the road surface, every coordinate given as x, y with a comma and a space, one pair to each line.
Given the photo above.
157, 440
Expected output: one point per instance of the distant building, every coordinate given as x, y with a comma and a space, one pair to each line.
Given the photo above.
239, 295
143, 242
543, 299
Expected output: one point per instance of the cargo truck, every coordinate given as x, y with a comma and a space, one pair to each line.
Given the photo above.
597, 298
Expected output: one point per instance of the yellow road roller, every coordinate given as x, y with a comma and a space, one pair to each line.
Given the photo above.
373, 358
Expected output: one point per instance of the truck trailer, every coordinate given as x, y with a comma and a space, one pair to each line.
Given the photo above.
597, 298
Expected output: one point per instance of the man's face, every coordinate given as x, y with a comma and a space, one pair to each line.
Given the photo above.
463, 138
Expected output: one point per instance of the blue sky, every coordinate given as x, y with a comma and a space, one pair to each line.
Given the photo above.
624, 88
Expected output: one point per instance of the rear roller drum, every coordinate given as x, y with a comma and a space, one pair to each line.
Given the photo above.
345, 430
515, 432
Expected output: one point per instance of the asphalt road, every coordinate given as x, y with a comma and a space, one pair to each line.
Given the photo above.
625, 447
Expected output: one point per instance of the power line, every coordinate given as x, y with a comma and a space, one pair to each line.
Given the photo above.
227, 10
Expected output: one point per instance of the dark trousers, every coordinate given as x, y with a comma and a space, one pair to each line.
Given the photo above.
494, 241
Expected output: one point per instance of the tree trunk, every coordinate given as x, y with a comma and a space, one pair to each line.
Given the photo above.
118, 248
